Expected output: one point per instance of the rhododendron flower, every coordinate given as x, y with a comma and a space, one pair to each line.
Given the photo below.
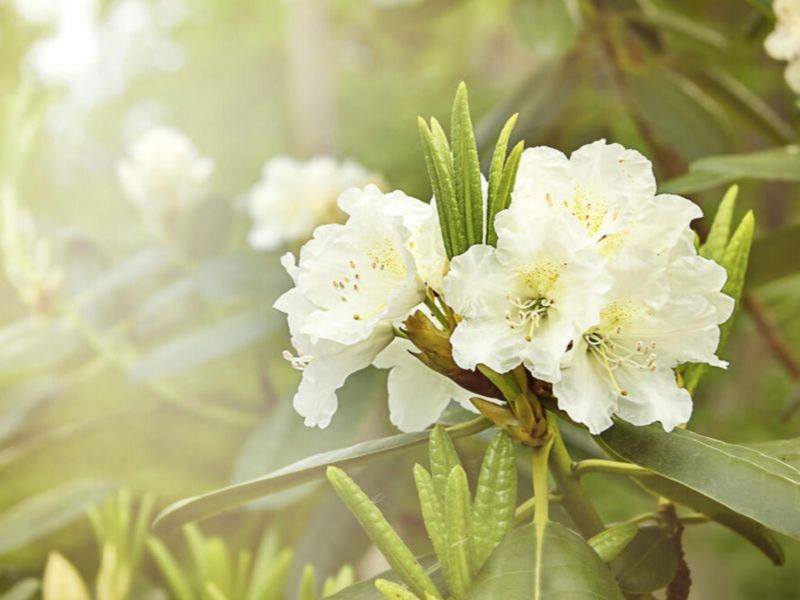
164, 176
784, 42
351, 283
293, 197
526, 300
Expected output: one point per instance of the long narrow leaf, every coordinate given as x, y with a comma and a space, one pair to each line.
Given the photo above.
466, 168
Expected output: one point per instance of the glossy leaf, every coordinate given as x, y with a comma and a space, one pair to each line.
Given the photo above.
744, 480
648, 563
47, 512
754, 532
397, 554
609, 543
570, 569
787, 451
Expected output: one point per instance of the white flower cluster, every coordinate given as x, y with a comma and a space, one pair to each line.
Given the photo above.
784, 42
293, 197
594, 286
164, 176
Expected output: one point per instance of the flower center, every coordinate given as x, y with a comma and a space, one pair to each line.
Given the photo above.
527, 314
614, 354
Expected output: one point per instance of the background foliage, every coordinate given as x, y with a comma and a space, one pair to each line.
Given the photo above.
160, 368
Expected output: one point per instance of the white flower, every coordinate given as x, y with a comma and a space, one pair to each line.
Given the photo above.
352, 282
525, 301
417, 394
784, 42
293, 197
624, 365
164, 176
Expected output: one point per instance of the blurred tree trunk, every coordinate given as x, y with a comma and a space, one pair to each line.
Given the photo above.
312, 114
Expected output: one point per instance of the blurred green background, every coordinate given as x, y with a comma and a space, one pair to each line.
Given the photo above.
159, 366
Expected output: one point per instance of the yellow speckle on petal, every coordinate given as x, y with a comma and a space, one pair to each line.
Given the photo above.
589, 209
384, 257
540, 278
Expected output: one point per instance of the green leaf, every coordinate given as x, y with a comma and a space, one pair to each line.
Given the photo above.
773, 256
754, 532
433, 515
735, 260
495, 498
548, 27
467, 170
609, 543
308, 469
393, 591
744, 480
209, 343
570, 569
436, 172
62, 581
787, 451
45, 513
443, 459
366, 590
648, 563
270, 571
397, 554
20, 400
457, 509
25, 589
774, 164
720, 232
176, 579
335, 583
495, 201
308, 585
508, 178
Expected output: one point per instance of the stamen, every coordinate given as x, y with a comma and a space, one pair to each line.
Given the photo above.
370, 314
299, 362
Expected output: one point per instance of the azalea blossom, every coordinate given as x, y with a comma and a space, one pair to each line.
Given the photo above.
784, 41
526, 300
293, 197
352, 282
164, 176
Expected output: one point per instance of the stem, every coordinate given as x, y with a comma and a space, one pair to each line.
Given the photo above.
527, 509
613, 467
437, 312
469, 428
541, 503
575, 499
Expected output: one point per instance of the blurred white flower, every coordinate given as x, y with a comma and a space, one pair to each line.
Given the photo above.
30, 263
353, 281
784, 42
164, 176
293, 197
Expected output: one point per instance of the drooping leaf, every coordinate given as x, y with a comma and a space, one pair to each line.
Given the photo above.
47, 512
774, 164
308, 469
570, 569
648, 563
206, 344
397, 554
742, 479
